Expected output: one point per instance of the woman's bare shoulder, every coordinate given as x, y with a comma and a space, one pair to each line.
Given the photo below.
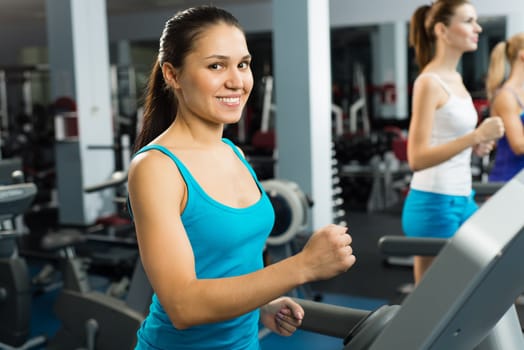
151, 165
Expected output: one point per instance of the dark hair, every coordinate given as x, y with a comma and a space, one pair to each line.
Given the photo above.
421, 31
177, 40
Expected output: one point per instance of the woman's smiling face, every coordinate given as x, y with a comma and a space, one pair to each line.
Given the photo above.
216, 79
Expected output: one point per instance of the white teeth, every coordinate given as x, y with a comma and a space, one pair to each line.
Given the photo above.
229, 99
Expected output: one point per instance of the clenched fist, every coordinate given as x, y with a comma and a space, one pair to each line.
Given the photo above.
490, 129
327, 253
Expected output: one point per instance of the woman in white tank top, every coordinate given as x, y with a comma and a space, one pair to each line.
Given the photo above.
442, 131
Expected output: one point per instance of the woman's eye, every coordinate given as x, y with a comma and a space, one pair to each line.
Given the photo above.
215, 66
243, 65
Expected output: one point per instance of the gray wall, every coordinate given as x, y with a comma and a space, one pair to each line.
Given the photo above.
257, 17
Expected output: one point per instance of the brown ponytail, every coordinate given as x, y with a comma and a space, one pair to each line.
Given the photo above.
420, 39
160, 106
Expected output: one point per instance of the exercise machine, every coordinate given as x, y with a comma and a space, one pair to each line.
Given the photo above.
481, 269
291, 207
484, 190
91, 319
15, 282
111, 240
117, 228
360, 105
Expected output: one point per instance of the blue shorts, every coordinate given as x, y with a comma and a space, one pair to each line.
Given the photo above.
428, 214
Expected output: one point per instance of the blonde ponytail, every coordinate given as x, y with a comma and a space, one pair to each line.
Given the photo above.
496, 70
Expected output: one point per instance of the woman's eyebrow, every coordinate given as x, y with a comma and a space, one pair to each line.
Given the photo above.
224, 57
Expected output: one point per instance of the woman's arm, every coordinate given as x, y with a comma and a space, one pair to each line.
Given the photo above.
157, 195
509, 110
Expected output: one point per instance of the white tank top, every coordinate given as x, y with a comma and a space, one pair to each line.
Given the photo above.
455, 118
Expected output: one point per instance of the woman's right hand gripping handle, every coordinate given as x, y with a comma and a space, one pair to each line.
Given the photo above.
327, 253
490, 129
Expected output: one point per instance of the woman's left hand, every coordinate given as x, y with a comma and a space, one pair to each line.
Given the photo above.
483, 148
282, 316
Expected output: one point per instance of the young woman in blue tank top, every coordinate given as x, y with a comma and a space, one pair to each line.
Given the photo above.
442, 131
507, 100
201, 215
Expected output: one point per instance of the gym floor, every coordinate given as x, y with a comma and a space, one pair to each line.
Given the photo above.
367, 285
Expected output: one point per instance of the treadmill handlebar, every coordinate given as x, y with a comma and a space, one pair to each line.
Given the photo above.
327, 319
487, 188
408, 246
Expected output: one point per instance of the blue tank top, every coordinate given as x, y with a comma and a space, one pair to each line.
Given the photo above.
507, 164
226, 242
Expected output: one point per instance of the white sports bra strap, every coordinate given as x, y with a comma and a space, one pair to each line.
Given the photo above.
440, 81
